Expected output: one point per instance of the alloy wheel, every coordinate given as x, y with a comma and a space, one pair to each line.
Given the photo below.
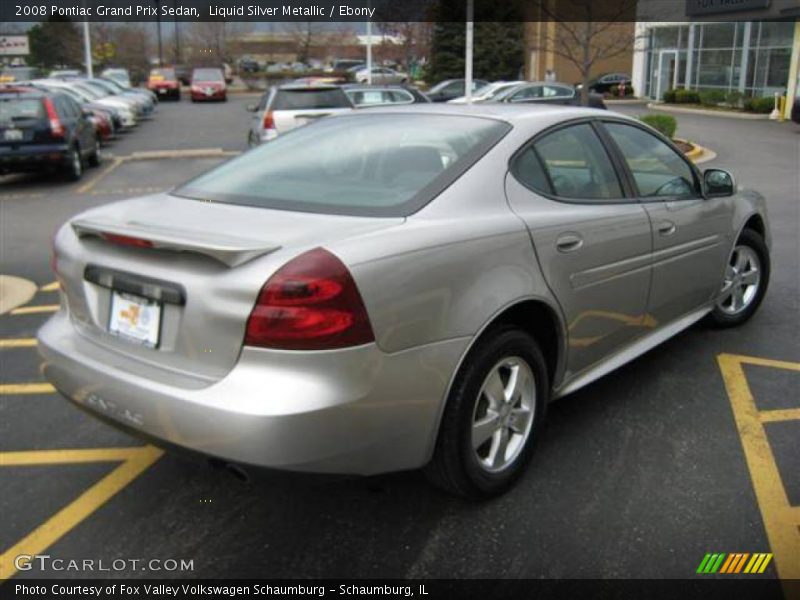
742, 280
503, 415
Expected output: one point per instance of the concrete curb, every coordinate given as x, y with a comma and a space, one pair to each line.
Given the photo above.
698, 154
709, 113
630, 102
14, 292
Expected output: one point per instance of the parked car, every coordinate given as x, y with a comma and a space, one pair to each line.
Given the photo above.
249, 65
411, 297
101, 112
451, 88
121, 76
344, 64
15, 74
164, 82
184, 74
285, 107
796, 110
488, 92
380, 95
45, 131
381, 75
146, 96
65, 73
547, 93
208, 84
140, 102
604, 83
89, 94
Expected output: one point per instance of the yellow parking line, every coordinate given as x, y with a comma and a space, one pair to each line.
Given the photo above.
11, 389
780, 518
135, 462
18, 343
784, 414
50, 287
101, 175
30, 310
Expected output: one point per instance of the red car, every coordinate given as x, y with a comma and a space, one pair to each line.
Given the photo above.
164, 82
208, 84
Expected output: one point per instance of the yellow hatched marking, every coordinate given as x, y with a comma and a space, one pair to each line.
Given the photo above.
18, 343
29, 310
780, 518
50, 287
9, 389
784, 414
134, 462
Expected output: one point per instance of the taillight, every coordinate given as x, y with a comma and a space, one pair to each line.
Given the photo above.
311, 303
126, 240
269, 122
56, 128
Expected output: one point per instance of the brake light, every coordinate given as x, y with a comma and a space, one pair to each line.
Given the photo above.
126, 240
311, 303
56, 128
269, 122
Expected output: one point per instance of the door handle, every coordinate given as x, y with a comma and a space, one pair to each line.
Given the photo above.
568, 242
666, 228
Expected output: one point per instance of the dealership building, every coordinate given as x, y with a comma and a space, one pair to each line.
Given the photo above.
748, 46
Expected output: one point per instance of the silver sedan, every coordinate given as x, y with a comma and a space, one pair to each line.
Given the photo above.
399, 288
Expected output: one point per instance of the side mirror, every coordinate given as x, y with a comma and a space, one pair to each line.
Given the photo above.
718, 183
252, 107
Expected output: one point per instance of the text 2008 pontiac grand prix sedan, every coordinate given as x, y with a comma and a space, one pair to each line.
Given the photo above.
398, 289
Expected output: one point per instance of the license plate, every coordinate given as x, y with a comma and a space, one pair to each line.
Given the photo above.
209, 91
135, 319
162, 90
13, 135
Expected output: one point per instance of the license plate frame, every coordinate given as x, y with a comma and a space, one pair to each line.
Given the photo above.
135, 319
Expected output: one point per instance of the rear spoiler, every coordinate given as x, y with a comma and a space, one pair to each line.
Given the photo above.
229, 250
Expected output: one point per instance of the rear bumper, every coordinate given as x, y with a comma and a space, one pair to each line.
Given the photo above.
32, 157
201, 96
356, 410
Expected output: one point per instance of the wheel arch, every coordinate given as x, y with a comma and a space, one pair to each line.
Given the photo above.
538, 317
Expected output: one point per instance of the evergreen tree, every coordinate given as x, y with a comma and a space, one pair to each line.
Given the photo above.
55, 43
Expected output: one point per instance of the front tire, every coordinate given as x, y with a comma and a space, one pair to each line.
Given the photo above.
745, 282
494, 416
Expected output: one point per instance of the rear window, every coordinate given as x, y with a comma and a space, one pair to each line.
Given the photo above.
161, 74
208, 75
19, 109
369, 165
311, 98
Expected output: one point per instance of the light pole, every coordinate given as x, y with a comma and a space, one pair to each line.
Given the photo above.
468, 58
87, 50
369, 52
158, 33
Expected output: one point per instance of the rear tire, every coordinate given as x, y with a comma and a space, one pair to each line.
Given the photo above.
494, 416
745, 283
74, 168
94, 157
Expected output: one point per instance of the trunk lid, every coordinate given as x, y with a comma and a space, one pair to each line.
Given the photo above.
204, 270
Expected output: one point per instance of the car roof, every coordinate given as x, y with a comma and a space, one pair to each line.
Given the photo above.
308, 86
510, 113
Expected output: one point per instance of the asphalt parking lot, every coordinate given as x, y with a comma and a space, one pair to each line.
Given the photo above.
692, 449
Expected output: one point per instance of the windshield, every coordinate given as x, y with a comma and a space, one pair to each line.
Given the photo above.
207, 75
379, 165
90, 91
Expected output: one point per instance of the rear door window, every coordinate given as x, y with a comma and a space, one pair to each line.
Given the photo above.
302, 99
577, 164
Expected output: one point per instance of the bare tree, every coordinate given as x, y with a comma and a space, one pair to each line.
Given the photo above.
304, 35
209, 41
585, 32
412, 40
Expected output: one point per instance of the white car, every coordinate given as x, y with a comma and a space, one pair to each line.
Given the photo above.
381, 75
487, 92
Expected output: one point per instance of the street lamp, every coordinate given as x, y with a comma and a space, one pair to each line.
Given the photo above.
468, 58
158, 30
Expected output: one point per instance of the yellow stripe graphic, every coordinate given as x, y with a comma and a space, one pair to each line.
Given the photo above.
765, 563
753, 563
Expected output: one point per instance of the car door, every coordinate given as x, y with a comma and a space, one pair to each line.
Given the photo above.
592, 241
690, 234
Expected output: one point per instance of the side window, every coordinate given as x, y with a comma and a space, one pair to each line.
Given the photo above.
531, 91
529, 172
657, 169
557, 91
578, 165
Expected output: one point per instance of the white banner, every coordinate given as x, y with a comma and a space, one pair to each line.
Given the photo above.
14, 45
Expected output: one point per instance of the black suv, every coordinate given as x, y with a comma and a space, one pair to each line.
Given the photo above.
42, 130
